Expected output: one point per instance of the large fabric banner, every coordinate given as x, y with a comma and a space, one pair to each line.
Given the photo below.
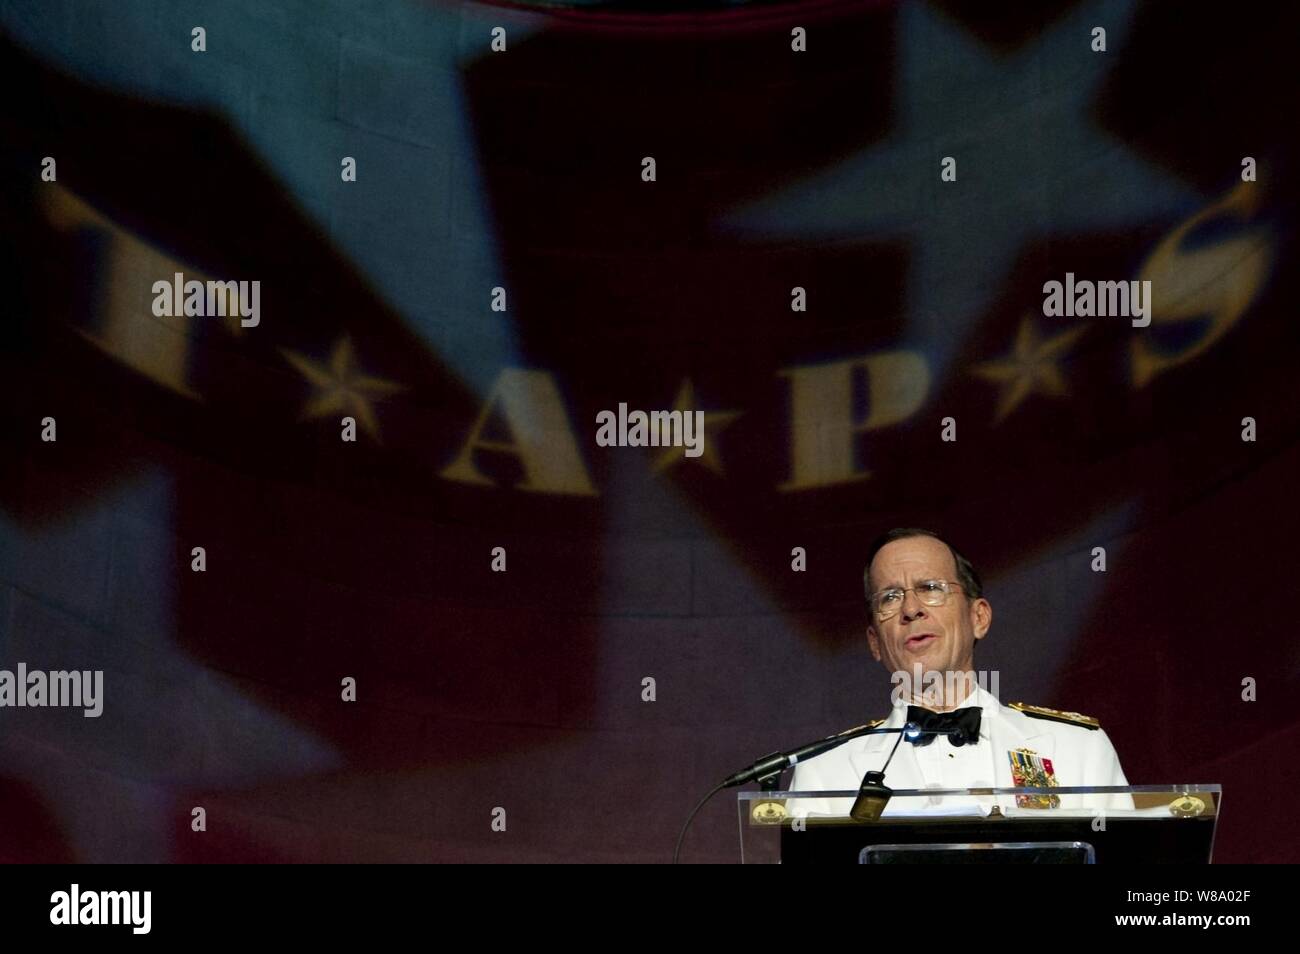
337, 337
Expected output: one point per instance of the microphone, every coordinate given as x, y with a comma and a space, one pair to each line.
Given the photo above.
780, 761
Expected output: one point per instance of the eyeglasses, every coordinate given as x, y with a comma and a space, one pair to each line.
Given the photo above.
887, 602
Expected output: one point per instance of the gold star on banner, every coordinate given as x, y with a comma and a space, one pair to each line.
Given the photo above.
341, 388
714, 423
1031, 367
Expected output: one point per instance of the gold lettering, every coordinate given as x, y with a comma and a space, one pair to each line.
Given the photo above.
1218, 282
156, 347
823, 433
543, 440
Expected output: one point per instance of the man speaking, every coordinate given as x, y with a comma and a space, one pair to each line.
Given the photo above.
927, 611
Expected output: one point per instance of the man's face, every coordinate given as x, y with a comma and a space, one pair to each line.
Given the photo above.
939, 638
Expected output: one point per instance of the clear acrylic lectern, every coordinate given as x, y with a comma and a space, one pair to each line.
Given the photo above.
1058, 825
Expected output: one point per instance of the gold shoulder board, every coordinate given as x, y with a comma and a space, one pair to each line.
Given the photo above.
866, 725
1056, 715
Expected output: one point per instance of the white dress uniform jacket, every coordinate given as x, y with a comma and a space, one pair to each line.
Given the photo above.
1079, 755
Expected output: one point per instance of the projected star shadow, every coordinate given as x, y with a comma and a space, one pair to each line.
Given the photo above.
1030, 162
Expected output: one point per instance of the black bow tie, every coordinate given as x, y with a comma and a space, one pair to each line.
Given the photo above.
962, 726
